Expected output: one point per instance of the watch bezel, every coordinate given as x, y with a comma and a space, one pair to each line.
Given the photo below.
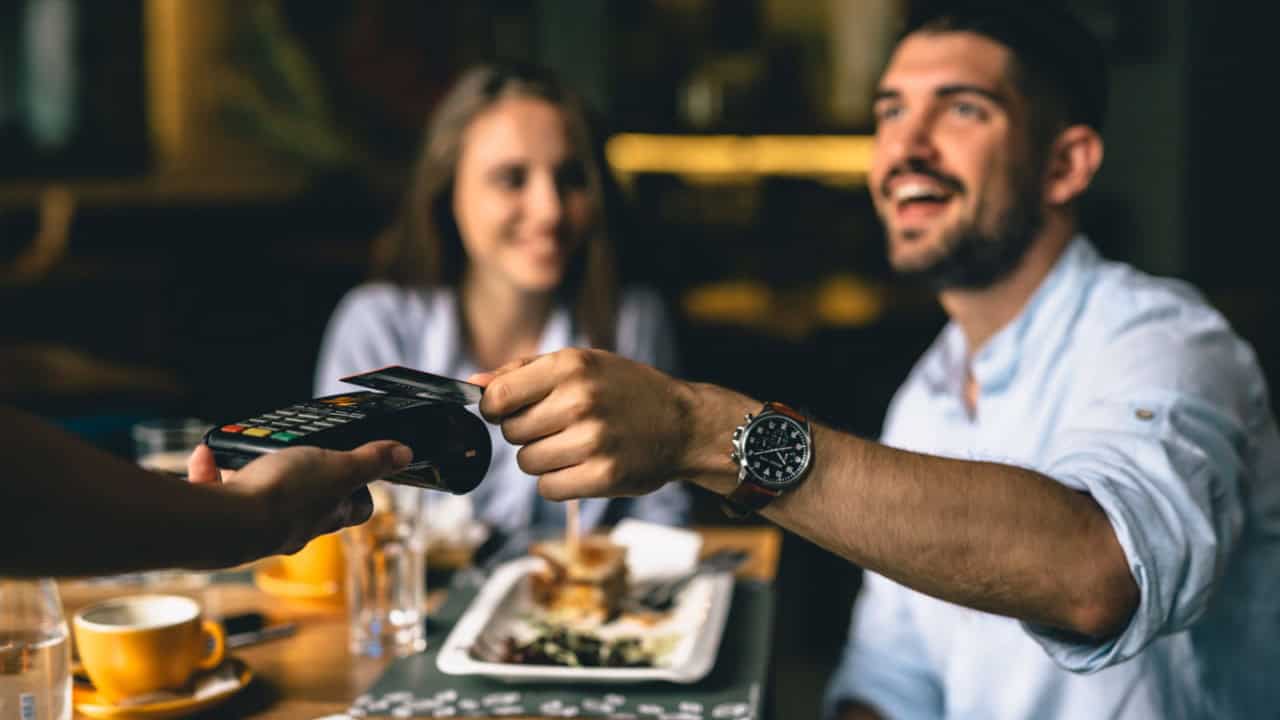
770, 483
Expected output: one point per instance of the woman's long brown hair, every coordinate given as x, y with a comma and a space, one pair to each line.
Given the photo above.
423, 247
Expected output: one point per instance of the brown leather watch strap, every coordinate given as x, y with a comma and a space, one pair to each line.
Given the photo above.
788, 411
751, 497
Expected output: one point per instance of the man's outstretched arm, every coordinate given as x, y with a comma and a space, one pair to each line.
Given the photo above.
993, 537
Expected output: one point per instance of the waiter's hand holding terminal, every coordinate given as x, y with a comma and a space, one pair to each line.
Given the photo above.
73, 509
451, 446
296, 487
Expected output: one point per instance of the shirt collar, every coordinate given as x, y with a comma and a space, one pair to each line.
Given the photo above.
996, 362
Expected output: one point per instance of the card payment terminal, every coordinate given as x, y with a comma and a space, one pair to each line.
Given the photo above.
451, 447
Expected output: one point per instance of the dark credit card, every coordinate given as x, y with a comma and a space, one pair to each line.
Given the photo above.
397, 380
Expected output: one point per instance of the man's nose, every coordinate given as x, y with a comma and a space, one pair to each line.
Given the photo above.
912, 140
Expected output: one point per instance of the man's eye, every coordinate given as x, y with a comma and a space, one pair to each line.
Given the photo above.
967, 109
884, 113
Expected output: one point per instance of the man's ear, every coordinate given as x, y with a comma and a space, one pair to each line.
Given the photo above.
1073, 160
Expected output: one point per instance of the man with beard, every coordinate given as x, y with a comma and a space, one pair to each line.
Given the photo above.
1073, 512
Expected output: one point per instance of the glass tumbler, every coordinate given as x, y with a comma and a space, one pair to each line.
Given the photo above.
35, 657
163, 445
386, 574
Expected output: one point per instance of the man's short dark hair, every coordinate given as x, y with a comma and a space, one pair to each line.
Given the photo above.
1060, 64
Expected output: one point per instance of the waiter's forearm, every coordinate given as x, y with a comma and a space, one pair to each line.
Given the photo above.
993, 537
72, 509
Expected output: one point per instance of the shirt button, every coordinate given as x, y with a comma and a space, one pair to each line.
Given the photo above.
1143, 414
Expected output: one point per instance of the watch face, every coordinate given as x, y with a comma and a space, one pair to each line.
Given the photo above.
776, 449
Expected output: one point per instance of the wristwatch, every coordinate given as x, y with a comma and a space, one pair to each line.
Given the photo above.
774, 451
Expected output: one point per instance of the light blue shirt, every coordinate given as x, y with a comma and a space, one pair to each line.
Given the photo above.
1132, 389
381, 324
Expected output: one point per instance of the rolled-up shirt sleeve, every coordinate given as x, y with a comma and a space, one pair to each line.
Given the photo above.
1162, 446
885, 664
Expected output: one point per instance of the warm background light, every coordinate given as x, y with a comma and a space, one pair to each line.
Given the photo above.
839, 158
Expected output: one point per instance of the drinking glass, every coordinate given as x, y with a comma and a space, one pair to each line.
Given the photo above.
386, 574
163, 445
35, 657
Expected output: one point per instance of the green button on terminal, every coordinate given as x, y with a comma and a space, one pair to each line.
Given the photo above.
285, 436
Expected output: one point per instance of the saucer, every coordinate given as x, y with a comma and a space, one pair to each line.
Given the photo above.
88, 702
269, 580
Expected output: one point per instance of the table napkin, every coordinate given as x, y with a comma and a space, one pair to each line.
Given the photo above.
657, 552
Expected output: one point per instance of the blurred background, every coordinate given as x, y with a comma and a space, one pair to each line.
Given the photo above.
189, 186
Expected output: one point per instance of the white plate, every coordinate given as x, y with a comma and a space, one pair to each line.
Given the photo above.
503, 604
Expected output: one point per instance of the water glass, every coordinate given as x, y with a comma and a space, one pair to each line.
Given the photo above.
163, 445
35, 657
386, 574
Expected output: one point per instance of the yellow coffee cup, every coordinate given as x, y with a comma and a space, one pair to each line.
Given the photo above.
320, 563
144, 643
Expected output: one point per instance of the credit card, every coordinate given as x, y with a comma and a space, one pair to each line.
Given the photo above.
398, 380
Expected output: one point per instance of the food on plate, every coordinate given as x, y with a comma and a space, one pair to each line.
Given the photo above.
572, 610
560, 645
583, 587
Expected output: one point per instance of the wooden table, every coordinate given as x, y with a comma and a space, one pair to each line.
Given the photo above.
311, 674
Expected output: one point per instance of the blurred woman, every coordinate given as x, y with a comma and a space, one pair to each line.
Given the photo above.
502, 251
